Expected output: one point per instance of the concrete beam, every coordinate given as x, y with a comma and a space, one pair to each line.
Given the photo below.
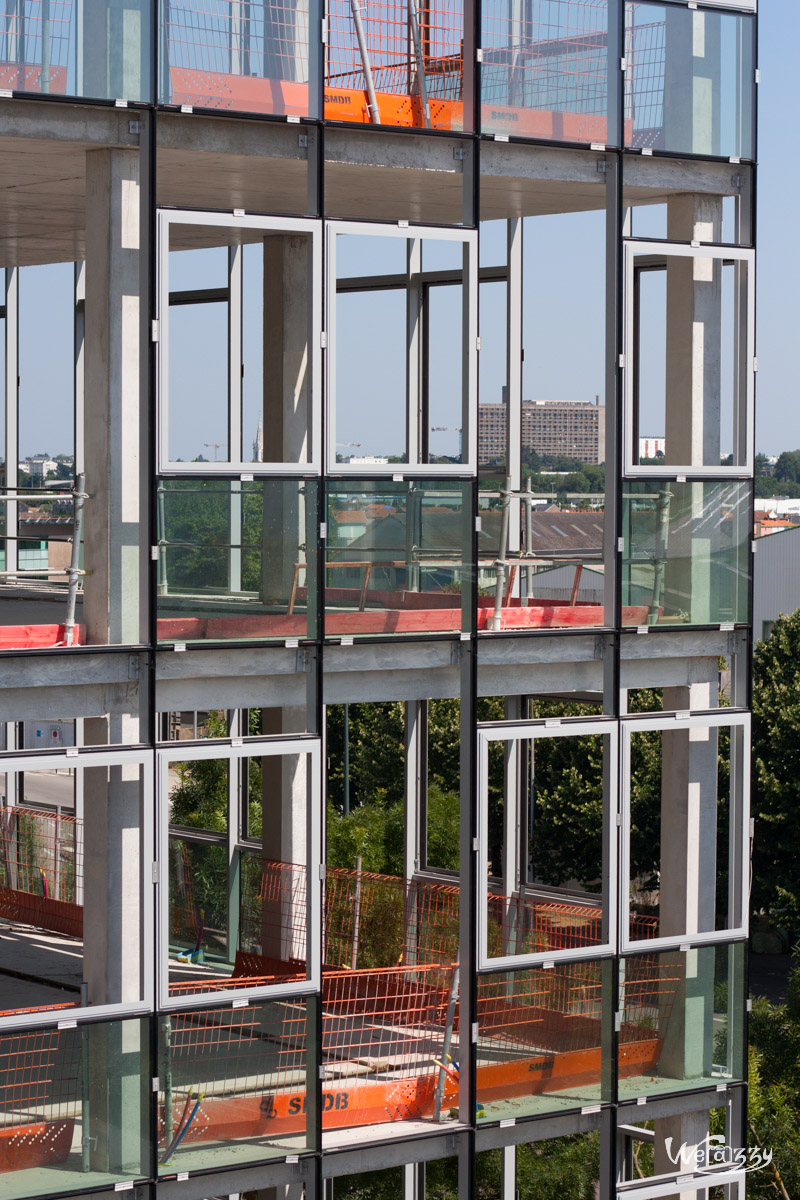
27, 122
524, 1132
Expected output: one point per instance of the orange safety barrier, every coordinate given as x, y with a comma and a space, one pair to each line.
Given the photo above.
41, 869
544, 73
383, 1038
38, 637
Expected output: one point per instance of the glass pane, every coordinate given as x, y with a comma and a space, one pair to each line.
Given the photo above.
560, 581
689, 83
198, 383
243, 57
101, 51
397, 558
398, 1022
232, 1086
680, 880
46, 391
551, 896
415, 55
74, 1107
445, 373
682, 1020
545, 73
370, 352
236, 918
400, 318
686, 553
51, 857
684, 393
540, 1040
233, 561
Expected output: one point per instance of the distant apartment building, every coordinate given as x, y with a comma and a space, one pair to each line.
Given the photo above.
549, 427
652, 447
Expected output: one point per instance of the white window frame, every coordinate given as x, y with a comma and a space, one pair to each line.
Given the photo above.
468, 238
83, 760
684, 1184
744, 372
236, 466
279, 747
738, 824
523, 731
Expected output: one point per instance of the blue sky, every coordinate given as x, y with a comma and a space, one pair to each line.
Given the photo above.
778, 405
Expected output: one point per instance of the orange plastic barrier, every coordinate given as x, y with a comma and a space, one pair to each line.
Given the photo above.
33, 637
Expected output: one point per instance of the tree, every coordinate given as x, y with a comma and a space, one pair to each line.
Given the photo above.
776, 772
787, 468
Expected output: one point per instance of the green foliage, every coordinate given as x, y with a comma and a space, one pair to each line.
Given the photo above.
787, 468
776, 772
774, 1094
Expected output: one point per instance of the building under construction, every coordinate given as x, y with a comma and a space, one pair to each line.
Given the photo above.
354, 840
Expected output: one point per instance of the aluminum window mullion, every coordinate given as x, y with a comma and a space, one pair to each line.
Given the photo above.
416, 436
235, 464
307, 747
12, 415
738, 830
641, 255
512, 735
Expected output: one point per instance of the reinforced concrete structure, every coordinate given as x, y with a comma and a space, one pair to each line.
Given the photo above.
352, 842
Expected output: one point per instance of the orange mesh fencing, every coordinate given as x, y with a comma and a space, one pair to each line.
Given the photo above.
21, 45
39, 1085
229, 1062
41, 869
544, 74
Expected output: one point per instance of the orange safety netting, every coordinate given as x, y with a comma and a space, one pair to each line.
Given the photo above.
39, 1086
41, 869
21, 45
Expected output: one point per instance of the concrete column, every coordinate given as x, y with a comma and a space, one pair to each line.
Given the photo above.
687, 902
112, 870
694, 335
112, 919
287, 398
114, 610
285, 801
693, 403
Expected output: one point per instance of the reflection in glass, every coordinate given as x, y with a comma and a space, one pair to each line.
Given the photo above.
686, 552
686, 392
682, 876
541, 1035
51, 859
74, 1107
98, 50
545, 74
689, 82
237, 910
682, 1020
404, 68
253, 58
232, 1085
538, 785
232, 559
397, 558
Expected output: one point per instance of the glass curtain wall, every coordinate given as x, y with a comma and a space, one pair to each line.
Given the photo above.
427, 831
